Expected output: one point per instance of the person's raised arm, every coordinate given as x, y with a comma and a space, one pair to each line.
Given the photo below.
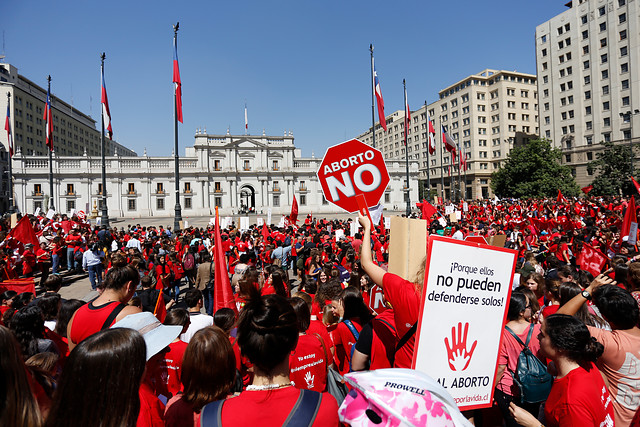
574, 304
375, 272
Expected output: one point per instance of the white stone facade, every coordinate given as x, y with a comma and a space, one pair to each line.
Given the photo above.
231, 171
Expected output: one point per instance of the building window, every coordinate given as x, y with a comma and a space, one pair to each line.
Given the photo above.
622, 18
71, 205
586, 65
605, 90
217, 201
605, 105
601, 11
276, 200
247, 166
603, 26
131, 204
625, 84
585, 34
583, 19
187, 187
160, 203
216, 165
623, 51
160, 188
217, 187
624, 68
603, 58
131, 190
303, 199
606, 137
187, 202
70, 190
623, 35
605, 74
275, 165
587, 94
625, 100
606, 122
37, 189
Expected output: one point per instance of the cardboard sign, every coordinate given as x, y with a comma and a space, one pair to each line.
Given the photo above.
339, 234
453, 217
498, 241
448, 210
51, 213
259, 222
14, 219
37, 212
244, 223
458, 215
227, 222
186, 224
407, 246
464, 307
269, 217
633, 233
376, 301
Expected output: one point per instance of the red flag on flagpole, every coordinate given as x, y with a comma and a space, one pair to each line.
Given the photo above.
426, 208
23, 232
7, 127
432, 134
293, 217
106, 114
222, 295
561, 198
48, 122
265, 232
635, 184
629, 217
160, 310
380, 101
176, 80
449, 144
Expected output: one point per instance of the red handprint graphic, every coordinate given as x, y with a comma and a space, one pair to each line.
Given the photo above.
457, 353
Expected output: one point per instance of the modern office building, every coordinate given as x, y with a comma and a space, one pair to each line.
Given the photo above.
587, 85
237, 173
485, 113
74, 132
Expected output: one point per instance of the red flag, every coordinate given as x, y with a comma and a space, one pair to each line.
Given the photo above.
265, 232
635, 184
23, 232
160, 310
588, 188
106, 114
449, 143
427, 209
432, 135
561, 198
293, 217
48, 122
629, 217
7, 127
222, 295
176, 80
591, 259
380, 101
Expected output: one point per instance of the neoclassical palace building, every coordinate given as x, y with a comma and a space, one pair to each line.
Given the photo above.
237, 173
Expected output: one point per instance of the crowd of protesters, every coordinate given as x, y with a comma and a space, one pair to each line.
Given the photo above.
302, 315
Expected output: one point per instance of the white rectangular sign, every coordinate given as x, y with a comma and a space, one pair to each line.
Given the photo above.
339, 234
387, 222
353, 227
259, 222
244, 223
465, 207
269, 217
633, 233
448, 210
464, 304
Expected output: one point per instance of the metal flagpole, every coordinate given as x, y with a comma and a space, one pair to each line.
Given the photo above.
441, 159
104, 217
178, 209
459, 165
373, 102
406, 146
12, 208
51, 202
428, 148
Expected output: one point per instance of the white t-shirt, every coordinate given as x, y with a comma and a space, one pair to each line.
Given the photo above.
198, 321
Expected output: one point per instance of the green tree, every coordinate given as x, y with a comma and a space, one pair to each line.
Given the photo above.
534, 170
613, 169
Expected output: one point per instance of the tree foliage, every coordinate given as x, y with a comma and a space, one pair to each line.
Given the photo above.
613, 169
533, 170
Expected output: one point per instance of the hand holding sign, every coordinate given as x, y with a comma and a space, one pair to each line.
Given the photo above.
459, 357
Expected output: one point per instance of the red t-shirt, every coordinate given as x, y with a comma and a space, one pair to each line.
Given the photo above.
308, 364
167, 378
270, 408
317, 327
549, 310
151, 408
580, 398
89, 319
405, 300
344, 339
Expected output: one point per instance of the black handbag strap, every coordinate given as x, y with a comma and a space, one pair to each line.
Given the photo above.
524, 344
305, 410
407, 336
113, 315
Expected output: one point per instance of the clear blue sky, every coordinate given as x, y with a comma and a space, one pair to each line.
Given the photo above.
300, 65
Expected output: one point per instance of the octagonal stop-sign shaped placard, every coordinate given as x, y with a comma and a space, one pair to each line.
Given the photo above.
352, 168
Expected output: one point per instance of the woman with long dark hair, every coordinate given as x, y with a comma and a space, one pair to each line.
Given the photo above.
277, 283
267, 334
100, 381
579, 396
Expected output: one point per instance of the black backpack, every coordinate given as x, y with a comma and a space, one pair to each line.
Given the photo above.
531, 374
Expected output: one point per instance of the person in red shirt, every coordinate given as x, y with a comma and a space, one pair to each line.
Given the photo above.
28, 260
267, 334
166, 379
308, 362
579, 396
403, 295
72, 241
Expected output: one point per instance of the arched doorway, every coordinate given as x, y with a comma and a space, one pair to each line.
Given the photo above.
247, 199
